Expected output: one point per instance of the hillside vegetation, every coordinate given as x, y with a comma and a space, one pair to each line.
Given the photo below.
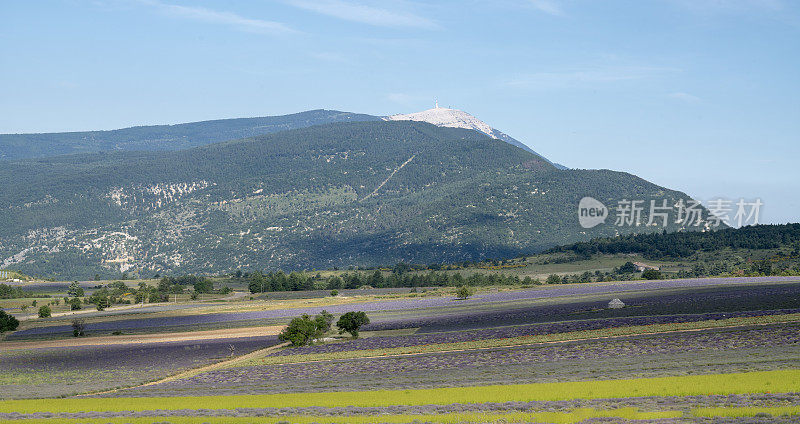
363, 194
684, 244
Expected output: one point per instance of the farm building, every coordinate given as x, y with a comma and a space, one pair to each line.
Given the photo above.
616, 304
640, 266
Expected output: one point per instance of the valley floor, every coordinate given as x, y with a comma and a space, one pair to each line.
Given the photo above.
718, 351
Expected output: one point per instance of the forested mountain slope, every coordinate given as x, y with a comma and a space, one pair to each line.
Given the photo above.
364, 193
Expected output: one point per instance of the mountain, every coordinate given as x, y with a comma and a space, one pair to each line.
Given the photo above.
194, 134
333, 195
164, 137
454, 118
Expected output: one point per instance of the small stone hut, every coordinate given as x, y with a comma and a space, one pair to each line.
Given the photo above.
616, 304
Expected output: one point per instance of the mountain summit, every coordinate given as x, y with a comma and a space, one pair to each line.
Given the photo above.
454, 118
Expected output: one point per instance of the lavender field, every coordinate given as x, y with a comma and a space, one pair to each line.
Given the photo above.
513, 307
71, 370
118, 372
768, 347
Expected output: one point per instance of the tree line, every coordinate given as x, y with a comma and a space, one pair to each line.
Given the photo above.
684, 244
260, 282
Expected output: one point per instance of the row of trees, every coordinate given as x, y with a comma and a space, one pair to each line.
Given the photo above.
118, 292
279, 281
11, 292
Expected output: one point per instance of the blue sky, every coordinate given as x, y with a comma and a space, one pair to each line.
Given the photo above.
701, 96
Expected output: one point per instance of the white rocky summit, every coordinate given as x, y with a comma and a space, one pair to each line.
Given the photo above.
454, 118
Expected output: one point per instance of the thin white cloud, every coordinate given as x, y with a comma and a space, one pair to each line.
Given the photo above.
728, 6
686, 97
365, 14
401, 98
329, 57
584, 77
234, 20
547, 6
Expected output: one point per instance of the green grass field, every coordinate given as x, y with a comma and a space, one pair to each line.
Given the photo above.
747, 411
575, 416
783, 381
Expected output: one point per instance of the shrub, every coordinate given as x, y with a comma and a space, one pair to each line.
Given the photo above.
464, 292
75, 304
44, 311
334, 292
627, 268
351, 322
156, 297
7, 322
203, 285
78, 327
324, 321
553, 279
652, 274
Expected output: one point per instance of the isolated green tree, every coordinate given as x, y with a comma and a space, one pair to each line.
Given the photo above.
44, 311
464, 292
7, 322
300, 331
75, 304
351, 322
78, 327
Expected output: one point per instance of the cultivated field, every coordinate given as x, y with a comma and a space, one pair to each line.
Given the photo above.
697, 350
